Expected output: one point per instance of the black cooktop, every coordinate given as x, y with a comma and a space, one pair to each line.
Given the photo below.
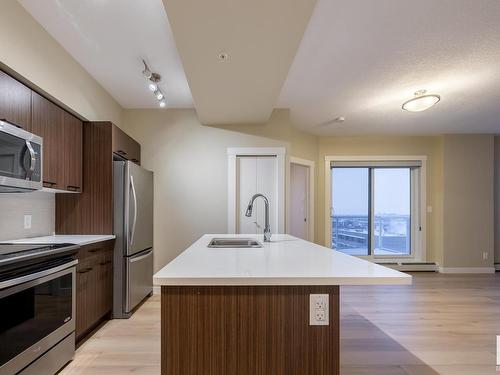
14, 252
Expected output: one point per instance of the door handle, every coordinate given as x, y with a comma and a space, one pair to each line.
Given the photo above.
29, 174
134, 196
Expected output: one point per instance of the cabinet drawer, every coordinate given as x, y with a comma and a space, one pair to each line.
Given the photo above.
95, 249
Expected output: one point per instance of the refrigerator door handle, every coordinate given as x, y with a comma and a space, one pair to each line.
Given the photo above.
134, 196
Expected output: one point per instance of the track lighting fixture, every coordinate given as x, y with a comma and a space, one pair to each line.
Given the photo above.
153, 80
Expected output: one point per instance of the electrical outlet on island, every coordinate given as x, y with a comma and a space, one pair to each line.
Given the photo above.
319, 310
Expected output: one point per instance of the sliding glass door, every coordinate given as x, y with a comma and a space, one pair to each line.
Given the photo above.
374, 210
392, 211
351, 210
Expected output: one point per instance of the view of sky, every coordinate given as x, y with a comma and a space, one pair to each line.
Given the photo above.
391, 191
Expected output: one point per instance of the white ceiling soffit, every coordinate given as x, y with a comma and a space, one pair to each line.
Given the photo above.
109, 37
260, 38
362, 59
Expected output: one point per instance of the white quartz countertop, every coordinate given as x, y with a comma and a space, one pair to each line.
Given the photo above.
74, 239
286, 260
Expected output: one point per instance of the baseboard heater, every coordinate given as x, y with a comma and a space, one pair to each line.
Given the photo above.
412, 266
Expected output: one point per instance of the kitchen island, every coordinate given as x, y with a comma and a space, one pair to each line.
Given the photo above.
249, 311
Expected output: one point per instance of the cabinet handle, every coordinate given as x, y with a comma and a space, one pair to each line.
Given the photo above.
94, 250
121, 152
85, 270
134, 160
49, 182
72, 188
104, 263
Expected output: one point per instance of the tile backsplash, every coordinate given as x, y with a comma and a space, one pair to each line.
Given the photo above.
13, 207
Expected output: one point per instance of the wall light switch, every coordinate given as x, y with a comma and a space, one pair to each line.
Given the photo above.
27, 221
485, 255
319, 311
429, 209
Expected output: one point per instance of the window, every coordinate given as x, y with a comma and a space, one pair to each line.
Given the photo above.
375, 208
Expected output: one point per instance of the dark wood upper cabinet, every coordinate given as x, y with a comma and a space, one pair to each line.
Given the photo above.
125, 146
47, 122
91, 212
72, 136
62, 144
15, 102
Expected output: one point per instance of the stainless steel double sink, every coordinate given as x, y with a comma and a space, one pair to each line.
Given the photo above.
228, 243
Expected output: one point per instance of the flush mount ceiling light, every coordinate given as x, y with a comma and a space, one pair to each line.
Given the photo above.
153, 84
421, 101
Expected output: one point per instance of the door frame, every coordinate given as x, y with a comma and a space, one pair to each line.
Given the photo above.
232, 154
310, 193
420, 253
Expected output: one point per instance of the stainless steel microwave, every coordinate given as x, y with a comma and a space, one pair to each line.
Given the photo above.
20, 160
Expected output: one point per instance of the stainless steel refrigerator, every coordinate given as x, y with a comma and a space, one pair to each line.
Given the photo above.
133, 226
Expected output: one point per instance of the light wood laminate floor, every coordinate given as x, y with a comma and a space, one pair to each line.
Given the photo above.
442, 324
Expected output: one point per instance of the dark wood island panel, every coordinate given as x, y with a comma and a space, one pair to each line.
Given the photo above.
247, 330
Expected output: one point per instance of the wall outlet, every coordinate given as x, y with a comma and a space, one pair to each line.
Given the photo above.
27, 221
319, 311
485, 255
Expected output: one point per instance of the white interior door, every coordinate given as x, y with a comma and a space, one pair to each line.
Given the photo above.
299, 199
256, 174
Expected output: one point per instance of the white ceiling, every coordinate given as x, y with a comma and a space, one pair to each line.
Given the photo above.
260, 37
362, 59
109, 38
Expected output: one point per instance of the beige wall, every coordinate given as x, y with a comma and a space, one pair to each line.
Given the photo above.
29, 50
387, 145
496, 186
468, 200
190, 165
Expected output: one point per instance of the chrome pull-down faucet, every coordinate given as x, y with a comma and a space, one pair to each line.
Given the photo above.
267, 229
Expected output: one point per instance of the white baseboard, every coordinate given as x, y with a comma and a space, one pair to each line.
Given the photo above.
467, 269
408, 267
156, 289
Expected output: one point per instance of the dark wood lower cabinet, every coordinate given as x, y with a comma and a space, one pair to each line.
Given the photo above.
94, 286
247, 330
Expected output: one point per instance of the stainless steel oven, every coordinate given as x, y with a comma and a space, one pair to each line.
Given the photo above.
37, 309
20, 159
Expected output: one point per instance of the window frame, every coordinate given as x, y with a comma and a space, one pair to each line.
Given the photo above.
418, 203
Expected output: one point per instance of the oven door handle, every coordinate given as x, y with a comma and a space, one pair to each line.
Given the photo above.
36, 275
